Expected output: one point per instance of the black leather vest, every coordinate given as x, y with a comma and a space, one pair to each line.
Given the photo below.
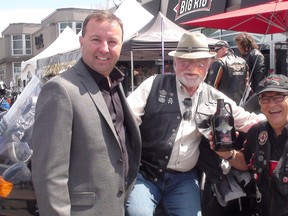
273, 189
159, 127
161, 121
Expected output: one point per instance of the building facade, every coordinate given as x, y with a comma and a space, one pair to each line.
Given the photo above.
22, 41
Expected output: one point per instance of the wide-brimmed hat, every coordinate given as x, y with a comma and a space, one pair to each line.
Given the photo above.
274, 82
192, 46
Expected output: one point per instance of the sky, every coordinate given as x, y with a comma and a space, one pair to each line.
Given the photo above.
33, 11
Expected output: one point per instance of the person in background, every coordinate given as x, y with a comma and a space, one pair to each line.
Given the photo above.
229, 72
86, 143
137, 75
265, 153
173, 112
127, 77
168, 69
4, 105
250, 52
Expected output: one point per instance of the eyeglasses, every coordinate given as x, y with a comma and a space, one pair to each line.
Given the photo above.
187, 62
188, 113
275, 98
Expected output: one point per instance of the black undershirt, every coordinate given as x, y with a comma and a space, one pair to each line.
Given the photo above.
114, 105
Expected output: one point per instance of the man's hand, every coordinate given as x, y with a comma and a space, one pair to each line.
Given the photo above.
227, 155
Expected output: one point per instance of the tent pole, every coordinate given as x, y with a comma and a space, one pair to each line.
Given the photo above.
132, 71
272, 53
162, 46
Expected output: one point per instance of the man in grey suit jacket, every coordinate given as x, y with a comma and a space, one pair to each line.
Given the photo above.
85, 140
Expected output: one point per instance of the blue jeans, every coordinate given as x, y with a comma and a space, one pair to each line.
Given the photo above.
178, 193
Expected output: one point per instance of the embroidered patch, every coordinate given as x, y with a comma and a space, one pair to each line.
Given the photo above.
162, 96
170, 101
263, 137
161, 100
163, 92
260, 158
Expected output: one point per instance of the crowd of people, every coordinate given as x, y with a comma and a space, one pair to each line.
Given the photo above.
98, 152
7, 97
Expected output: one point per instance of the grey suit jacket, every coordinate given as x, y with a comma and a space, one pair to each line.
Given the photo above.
77, 164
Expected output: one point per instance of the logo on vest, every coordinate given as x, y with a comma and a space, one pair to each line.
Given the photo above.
256, 176
162, 96
170, 100
263, 137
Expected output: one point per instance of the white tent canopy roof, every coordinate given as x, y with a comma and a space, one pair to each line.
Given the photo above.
171, 31
133, 16
158, 35
65, 42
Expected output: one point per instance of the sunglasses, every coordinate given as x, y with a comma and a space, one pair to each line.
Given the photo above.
216, 50
188, 113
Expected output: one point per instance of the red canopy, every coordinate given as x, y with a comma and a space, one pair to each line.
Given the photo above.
266, 18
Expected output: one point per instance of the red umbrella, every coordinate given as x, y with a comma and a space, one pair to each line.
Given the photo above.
266, 18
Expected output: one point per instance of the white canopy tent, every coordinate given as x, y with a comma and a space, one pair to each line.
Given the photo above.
133, 16
65, 42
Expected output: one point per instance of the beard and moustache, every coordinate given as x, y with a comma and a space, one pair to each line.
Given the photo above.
191, 83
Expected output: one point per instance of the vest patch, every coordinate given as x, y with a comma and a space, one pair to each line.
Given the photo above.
263, 137
162, 96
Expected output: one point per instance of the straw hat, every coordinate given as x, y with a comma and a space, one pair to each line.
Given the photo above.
192, 46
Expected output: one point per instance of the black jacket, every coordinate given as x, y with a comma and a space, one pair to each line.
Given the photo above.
257, 69
229, 75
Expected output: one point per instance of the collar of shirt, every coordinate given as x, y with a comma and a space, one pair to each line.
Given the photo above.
116, 76
182, 94
271, 130
277, 143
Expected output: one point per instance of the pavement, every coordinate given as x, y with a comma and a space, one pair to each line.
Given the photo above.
17, 202
13, 208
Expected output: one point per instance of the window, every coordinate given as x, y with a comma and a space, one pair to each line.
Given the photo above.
16, 67
78, 27
75, 26
2, 72
21, 44
63, 25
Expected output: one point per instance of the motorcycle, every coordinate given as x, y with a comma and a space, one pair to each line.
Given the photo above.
15, 150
